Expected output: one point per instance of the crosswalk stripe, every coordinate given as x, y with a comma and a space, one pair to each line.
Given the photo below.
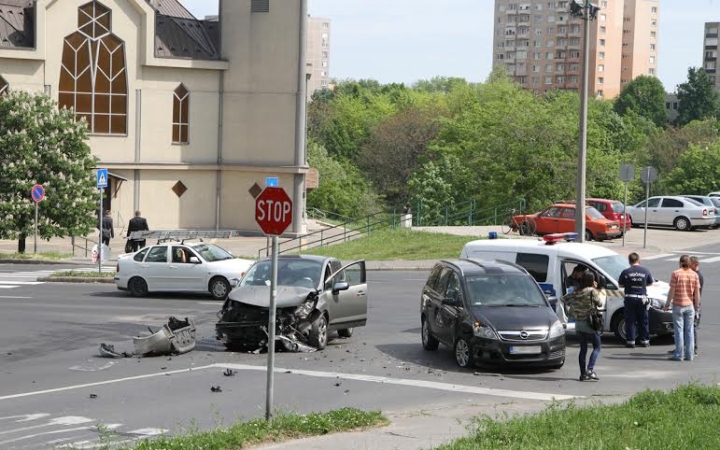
663, 255
710, 260
21, 283
8, 287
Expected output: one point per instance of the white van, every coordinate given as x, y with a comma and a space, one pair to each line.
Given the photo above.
551, 260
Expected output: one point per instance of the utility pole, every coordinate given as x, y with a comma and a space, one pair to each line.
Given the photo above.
586, 12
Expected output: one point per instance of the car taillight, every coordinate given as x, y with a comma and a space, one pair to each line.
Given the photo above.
704, 212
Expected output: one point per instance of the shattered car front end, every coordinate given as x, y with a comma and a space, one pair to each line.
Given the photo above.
243, 320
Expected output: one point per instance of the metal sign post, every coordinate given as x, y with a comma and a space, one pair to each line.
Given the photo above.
627, 173
102, 179
38, 194
647, 175
273, 213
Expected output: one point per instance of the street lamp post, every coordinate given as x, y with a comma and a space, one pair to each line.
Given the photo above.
586, 12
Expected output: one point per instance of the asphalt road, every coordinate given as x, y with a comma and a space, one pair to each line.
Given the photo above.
55, 390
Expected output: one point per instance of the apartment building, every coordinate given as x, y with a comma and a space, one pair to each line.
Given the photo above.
318, 54
710, 51
541, 44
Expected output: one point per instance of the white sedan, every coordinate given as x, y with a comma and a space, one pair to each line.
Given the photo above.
175, 266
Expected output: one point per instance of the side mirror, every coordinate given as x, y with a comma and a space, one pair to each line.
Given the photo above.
340, 286
552, 300
194, 260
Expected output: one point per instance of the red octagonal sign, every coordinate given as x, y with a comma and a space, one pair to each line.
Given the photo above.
273, 211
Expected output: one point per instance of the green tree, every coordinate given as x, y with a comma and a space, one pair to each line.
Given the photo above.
697, 97
343, 189
697, 170
645, 95
41, 144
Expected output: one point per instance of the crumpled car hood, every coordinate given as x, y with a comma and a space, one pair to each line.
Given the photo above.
287, 296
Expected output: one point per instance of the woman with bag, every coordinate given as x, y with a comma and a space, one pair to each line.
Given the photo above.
583, 306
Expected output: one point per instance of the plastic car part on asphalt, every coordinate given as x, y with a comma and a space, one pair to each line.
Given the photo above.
175, 337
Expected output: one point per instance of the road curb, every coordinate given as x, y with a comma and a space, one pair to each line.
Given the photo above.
81, 280
38, 261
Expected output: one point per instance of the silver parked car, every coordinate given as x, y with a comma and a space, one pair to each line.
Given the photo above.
711, 202
674, 211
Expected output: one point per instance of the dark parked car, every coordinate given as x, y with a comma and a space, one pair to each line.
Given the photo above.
490, 313
315, 295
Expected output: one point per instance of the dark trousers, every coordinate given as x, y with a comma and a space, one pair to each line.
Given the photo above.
585, 339
106, 240
137, 245
636, 320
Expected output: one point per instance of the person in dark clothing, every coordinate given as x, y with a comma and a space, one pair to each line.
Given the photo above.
695, 265
137, 223
635, 280
574, 281
108, 229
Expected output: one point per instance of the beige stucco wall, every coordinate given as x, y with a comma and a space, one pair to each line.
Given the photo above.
23, 74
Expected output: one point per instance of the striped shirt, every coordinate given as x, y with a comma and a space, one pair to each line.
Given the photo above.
685, 287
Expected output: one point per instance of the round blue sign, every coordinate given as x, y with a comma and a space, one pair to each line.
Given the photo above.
38, 193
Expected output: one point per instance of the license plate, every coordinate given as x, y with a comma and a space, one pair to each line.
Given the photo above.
526, 350
613, 227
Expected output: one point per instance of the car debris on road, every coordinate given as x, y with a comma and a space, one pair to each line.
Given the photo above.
174, 338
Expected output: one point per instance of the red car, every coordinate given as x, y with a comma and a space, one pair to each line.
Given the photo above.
612, 210
560, 218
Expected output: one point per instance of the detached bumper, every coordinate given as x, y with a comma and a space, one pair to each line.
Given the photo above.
526, 354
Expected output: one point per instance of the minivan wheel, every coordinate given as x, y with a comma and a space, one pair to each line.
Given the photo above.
682, 223
318, 333
346, 333
463, 353
618, 325
428, 340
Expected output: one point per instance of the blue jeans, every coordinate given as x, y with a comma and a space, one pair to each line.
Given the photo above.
585, 339
636, 315
683, 320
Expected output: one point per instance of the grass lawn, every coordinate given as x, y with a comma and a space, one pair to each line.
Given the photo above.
45, 255
400, 244
281, 428
82, 274
685, 418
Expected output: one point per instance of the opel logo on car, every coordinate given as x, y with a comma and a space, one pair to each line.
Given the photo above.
524, 334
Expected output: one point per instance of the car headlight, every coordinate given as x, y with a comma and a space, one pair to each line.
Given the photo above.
657, 304
556, 330
306, 308
484, 331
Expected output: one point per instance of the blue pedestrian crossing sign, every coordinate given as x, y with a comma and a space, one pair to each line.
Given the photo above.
102, 178
271, 182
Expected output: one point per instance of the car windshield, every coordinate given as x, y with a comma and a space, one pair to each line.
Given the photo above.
297, 272
210, 252
594, 213
612, 265
618, 207
504, 290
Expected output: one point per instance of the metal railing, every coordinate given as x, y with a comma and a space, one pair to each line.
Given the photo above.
85, 244
465, 214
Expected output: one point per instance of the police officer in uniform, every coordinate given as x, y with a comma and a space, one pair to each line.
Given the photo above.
635, 280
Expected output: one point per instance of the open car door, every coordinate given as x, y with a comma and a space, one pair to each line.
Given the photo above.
346, 296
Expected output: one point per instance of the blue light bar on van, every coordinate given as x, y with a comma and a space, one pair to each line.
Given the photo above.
553, 238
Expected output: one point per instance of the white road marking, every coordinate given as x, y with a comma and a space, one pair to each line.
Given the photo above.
150, 431
87, 445
69, 420
411, 383
710, 260
32, 436
2, 286
103, 383
22, 283
663, 255
26, 417
82, 368
12, 297
680, 252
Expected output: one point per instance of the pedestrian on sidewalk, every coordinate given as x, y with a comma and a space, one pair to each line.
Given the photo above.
685, 298
580, 304
108, 230
635, 279
695, 266
137, 223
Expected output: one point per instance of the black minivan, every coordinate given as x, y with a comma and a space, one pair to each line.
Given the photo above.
490, 313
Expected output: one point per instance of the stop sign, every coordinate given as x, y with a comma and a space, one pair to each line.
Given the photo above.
273, 211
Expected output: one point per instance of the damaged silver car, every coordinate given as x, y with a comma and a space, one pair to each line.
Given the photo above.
315, 296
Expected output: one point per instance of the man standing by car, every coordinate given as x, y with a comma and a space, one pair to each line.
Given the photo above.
137, 223
635, 280
695, 265
685, 298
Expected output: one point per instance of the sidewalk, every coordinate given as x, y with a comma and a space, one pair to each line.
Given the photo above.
421, 429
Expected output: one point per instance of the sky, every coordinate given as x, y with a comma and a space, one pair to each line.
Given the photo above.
407, 40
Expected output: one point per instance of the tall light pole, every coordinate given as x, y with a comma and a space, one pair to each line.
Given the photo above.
586, 12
